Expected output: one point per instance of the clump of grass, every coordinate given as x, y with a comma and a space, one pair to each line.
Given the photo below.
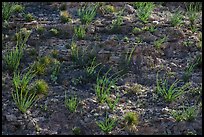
151, 28
116, 24
107, 125
17, 8
55, 32
41, 65
7, 10
76, 131
189, 70
65, 17
176, 19
136, 88
187, 43
21, 84
13, 58
172, 92
40, 29
109, 9
103, 87
55, 53
112, 103
77, 54
192, 12
29, 17
126, 39
71, 103
40, 87
188, 114
87, 13
55, 70
91, 70
159, 42
136, 30
131, 118
22, 98
144, 10
126, 60
80, 32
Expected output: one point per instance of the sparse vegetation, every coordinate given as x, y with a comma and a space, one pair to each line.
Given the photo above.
22, 98
187, 114
80, 32
159, 42
65, 17
177, 18
87, 13
71, 103
131, 118
107, 125
102, 68
172, 92
144, 10
7, 10
13, 58
55, 32
29, 17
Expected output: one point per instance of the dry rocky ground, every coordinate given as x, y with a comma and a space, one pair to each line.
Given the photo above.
136, 88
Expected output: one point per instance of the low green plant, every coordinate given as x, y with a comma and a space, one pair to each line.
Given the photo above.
126, 39
136, 30
116, 24
128, 56
40, 87
71, 103
17, 8
40, 29
189, 70
29, 17
131, 118
87, 13
193, 28
80, 32
107, 125
144, 10
159, 42
176, 19
13, 58
21, 84
151, 28
109, 9
54, 31
55, 53
65, 17
41, 65
79, 55
7, 10
112, 103
172, 92
91, 70
192, 12
55, 70
188, 114
76, 131
187, 43
103, 87
22, 98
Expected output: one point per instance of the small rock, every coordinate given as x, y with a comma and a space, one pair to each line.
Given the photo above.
130, 9
11, 117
